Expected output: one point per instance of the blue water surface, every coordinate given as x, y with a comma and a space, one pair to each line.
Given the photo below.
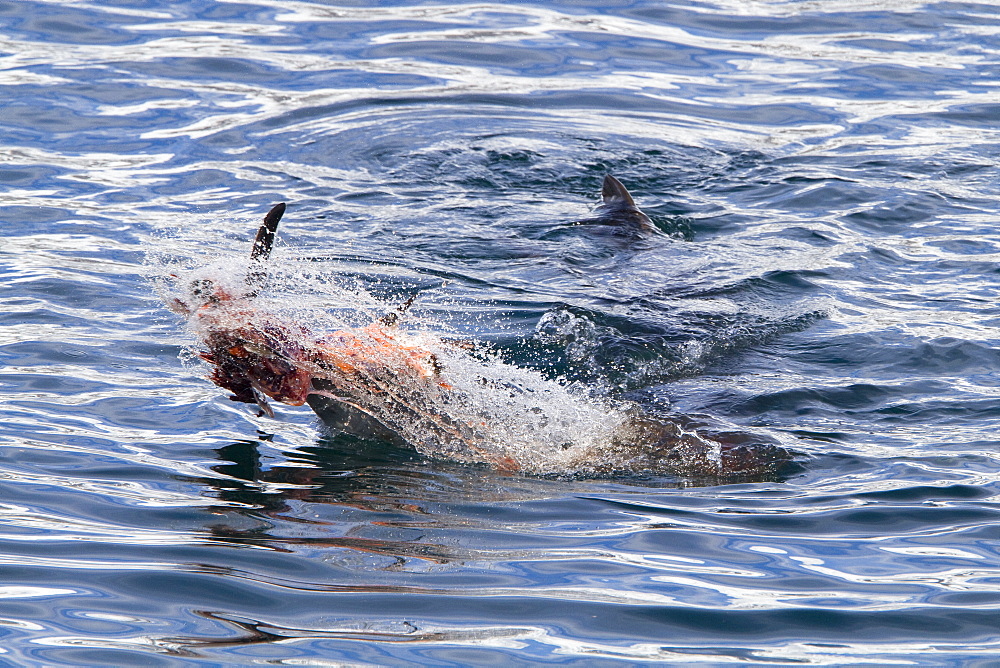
824, 180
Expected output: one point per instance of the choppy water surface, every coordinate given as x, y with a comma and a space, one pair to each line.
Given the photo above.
823, 177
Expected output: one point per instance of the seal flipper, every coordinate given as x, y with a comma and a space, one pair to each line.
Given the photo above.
392, 318
617, 205
262, 246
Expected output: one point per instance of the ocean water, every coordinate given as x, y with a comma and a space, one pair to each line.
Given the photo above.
823, 177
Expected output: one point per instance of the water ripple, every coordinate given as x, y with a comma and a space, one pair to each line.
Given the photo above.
822, 275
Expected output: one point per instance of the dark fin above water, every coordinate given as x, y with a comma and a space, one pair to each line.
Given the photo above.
262, 246
615, 194
618, 207
265, 235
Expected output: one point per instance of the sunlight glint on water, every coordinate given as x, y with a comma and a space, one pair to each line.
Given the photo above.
822, 176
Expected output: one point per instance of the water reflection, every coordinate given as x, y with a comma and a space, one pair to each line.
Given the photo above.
370, 487
252, 632
400, 486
